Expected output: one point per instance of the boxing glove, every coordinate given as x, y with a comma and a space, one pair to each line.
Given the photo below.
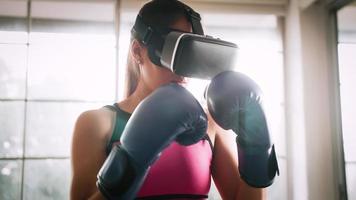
169, 114
234, 101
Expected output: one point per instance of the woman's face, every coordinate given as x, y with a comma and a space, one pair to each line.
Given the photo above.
154, 76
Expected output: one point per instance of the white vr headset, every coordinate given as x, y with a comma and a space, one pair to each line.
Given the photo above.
186, 54
198, 56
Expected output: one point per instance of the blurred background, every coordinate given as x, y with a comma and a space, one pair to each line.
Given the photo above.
59, 58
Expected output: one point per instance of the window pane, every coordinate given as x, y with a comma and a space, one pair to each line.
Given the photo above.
49, 127
246, 30
351, 180
13, 30
69, 71
10, 179
73, 17
72, 51
346, 21
73, 10
347, 70
278, 190
65, 26
47, 179
12, 71
12, 128
13, 23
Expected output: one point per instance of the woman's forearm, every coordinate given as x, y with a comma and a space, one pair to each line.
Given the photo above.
247, 192
96, 196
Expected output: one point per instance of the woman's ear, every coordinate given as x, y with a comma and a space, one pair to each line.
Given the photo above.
136, 51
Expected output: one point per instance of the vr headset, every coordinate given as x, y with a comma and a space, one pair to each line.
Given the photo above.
186, 54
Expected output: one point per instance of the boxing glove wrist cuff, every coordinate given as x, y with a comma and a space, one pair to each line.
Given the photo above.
258, 169
119, 178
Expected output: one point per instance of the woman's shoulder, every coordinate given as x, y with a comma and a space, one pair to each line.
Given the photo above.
88, 150
94, 123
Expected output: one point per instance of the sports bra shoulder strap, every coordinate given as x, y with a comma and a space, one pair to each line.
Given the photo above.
112, 107
206, 137
119, 124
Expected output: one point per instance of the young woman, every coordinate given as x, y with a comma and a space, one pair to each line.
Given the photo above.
181, 172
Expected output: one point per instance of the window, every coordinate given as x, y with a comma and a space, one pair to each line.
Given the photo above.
54, 64
347, 73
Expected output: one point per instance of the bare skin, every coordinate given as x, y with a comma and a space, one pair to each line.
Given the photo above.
93, 129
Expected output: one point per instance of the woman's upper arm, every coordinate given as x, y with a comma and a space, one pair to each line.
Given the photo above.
225, 170
88, 154
224, 165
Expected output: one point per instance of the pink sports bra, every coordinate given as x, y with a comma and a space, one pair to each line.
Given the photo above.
181, 172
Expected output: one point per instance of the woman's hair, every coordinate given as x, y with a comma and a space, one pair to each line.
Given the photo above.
158, 14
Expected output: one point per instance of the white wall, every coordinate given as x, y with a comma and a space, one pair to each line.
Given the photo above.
313, 122
294, 87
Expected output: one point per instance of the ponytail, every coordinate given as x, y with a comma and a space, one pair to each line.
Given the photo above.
132, 75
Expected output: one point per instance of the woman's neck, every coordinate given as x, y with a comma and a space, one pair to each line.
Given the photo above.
130, 103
